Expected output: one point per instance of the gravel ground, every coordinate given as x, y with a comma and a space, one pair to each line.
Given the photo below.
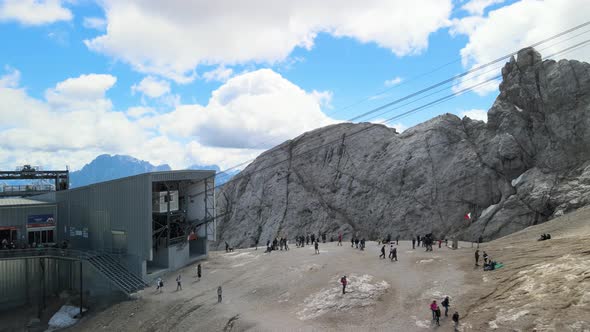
544, 285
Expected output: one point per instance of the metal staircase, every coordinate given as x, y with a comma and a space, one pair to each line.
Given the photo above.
116, 273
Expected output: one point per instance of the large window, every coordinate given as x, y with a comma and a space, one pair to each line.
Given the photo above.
41, 236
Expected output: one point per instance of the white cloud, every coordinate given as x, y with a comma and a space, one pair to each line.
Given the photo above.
140, 111
86, 92
173, 38
34, 12
323, 98
11, 79
254, 110
96, 23
75, 122
393, 81
515, 26
475, 114
477, 7
220, 74
152, 87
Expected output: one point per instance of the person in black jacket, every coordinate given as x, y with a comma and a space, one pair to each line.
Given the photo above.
445, 303
456, 320
382, 252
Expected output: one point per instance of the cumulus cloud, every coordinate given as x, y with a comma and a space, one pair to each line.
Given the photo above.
220, 74
86, 92
76, 121
152, 87
254, 110
393, 81
475, 114
173, 38
96, 23
499, 33
477, 7
34, 12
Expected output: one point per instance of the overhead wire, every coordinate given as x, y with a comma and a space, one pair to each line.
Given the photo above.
372, 126
427, 89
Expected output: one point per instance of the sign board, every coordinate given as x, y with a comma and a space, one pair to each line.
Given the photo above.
40, 220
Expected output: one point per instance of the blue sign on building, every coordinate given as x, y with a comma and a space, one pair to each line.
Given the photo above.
40, 220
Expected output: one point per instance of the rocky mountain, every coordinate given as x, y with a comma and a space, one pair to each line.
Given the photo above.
529, 163
106, 167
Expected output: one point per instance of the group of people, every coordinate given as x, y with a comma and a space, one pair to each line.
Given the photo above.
488, 263
302, 240
436, 313
360, 244
277, 244
392, 252
544, 237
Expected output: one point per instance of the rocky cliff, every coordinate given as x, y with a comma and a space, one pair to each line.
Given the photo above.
529, 163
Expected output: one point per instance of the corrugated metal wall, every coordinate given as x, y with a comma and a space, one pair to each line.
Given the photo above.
17, 216
22, 280
88, 215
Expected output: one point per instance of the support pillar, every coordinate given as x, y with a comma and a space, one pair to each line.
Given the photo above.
81, 289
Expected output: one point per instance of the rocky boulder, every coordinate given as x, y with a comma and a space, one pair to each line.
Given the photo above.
528, 163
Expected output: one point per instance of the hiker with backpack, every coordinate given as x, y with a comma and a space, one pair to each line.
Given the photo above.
445, 303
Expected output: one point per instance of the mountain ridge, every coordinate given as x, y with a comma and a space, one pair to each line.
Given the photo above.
529, 163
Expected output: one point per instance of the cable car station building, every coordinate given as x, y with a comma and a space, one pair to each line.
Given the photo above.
120, 235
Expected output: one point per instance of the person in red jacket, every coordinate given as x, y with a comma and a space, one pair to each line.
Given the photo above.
433, 308
344, 282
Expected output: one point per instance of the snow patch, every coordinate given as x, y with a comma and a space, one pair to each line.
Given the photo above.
64, 317
361, 292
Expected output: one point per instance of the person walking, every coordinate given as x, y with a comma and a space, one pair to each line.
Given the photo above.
476, 257
344, 282
439, 243
418, 241
445, 303
340, 239
382, 252
160, 285
437, 314
391, 247
178, 283
456, 321
433, 308
394, 255
356, 242
219, 292
397, 240
352, 242
413, 243
317, 247
199, 272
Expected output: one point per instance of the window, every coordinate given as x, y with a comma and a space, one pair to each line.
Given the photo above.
43, 236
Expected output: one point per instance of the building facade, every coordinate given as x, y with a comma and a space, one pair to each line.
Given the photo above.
152, 223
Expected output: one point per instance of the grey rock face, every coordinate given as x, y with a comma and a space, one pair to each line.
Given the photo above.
528, 163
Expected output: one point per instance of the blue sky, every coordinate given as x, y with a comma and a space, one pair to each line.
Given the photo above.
199, 83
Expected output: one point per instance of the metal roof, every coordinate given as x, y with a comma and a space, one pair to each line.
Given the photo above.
15, 201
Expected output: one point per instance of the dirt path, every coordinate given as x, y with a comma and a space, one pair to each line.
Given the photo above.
544, 285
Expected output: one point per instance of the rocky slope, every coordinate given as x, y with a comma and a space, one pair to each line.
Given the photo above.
529, 163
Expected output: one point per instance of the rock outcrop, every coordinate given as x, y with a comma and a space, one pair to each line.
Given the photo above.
530, 162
